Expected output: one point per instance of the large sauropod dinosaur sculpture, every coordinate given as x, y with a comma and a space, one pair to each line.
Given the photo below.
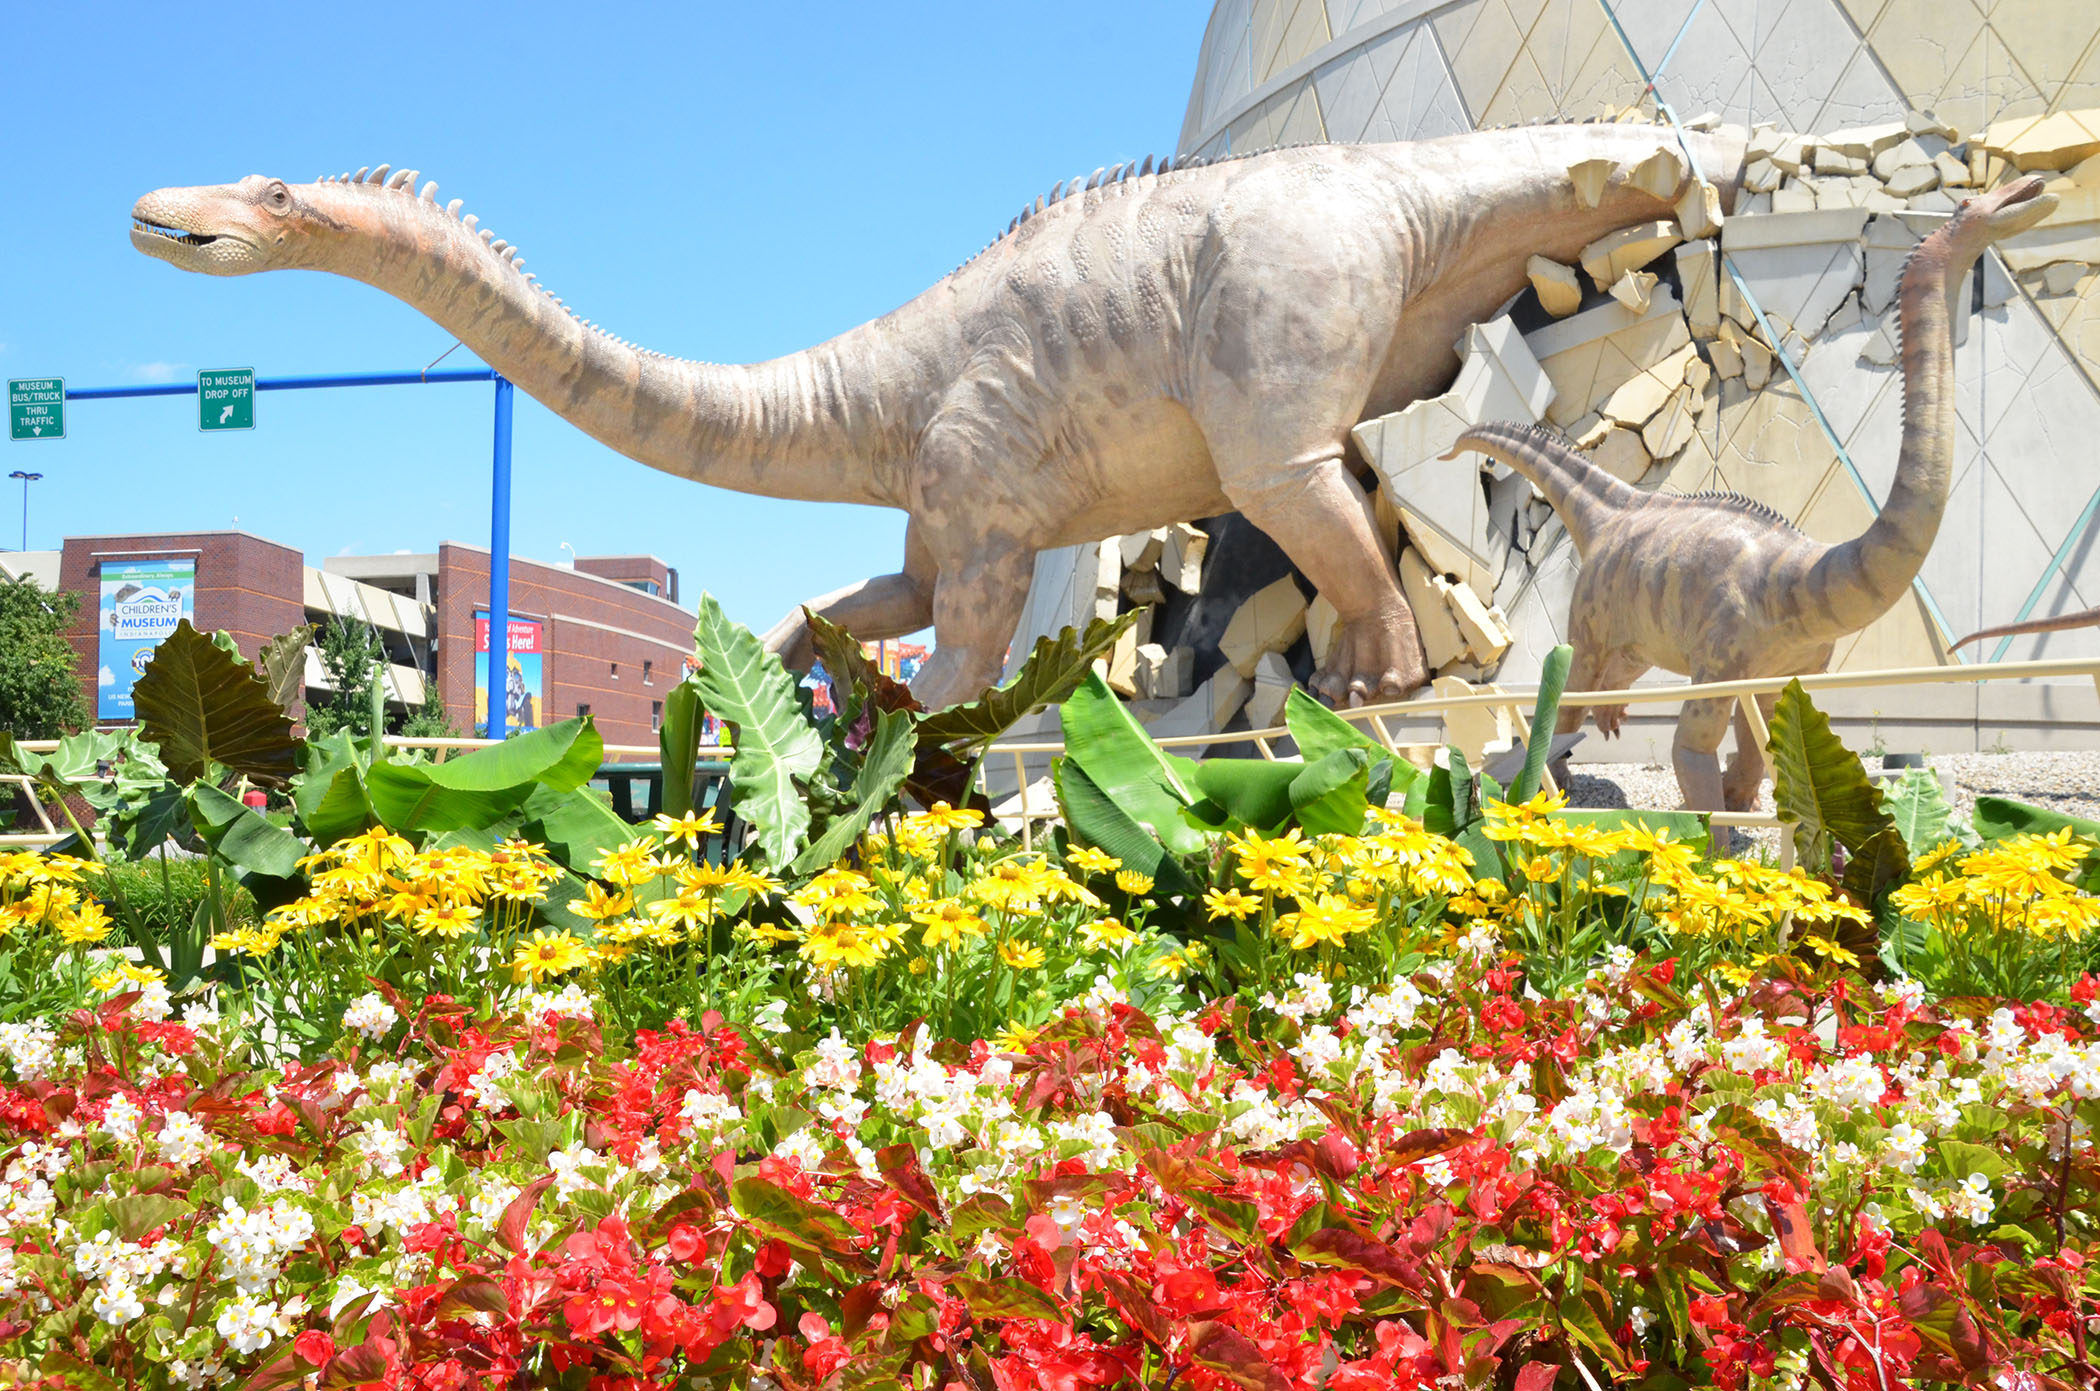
1154, 345
1721, 588
2084, 618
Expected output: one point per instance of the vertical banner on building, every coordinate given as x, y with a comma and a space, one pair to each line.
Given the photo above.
523, 691
142, 601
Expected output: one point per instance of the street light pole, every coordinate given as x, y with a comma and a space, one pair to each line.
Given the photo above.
27, 479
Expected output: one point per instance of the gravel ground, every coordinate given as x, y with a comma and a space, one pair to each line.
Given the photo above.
2064, 782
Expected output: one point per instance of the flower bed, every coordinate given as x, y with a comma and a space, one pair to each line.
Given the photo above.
965, 1117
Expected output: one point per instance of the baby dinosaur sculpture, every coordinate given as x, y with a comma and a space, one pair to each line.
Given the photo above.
1157, 345
1720, 588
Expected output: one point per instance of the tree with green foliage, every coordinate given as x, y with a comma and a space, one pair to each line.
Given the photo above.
429, 720
348, 650
40, 694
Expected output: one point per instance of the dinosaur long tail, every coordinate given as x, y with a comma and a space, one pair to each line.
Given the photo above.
2084, 618
1583, 495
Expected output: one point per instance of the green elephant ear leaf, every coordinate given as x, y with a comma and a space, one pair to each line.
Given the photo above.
282, 663
891, 748
746, 686
243, 836
1821, 787
1054, 669
203, 705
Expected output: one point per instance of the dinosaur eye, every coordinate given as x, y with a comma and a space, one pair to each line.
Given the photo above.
277, 196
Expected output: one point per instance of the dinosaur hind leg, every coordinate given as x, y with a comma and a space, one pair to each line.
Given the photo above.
1696, 753
887, 606
1316, 513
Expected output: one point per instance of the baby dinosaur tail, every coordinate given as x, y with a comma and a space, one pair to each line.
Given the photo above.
2085, 618
1584, 495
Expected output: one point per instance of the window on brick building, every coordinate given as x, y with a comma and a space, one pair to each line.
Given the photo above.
656, 714
648, 667
582, 709
615, 671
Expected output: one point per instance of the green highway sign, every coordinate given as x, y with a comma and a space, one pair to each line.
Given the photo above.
36, 408
226, 399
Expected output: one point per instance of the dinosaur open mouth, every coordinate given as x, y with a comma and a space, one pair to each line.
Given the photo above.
173, 234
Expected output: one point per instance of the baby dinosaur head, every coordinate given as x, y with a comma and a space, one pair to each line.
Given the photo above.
2000, 213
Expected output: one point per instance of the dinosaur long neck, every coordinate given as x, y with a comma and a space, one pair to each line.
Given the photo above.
1855, 582
1581, 494
812, 425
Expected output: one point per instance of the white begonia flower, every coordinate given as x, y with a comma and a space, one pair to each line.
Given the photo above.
30, 1049
245, 1323
489, 1205
121, 1117
182, 1141
1904, 1147
486, 1085
117, 1301
569, 1002
371, 1015
381, 1145
836, 1067
772, 1019
568, 1165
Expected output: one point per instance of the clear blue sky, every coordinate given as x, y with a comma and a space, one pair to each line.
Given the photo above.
727, 182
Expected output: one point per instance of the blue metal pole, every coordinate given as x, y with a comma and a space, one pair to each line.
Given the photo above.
308, 382
499, 568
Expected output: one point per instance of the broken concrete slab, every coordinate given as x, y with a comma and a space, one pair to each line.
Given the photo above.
1272, 688
1699, 211
1910, 182
1270, 621
1477, 730
1633, 289
1590, 178
1164, 675
1863, 142
1906, 153
2058, 140
1796, 228
1323, 625
1487, 635
1953, 170
1441, 640
1671, 428
1830, 160
1658, 175
1141, 550
1622, 455
1559, 292
1181, 557
1629, 248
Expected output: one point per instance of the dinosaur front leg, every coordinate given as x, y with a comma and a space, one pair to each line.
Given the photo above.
1746, 769
976, 604
1316, 513
887, 606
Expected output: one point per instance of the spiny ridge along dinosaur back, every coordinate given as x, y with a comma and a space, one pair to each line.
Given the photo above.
1149, 348
1721, 588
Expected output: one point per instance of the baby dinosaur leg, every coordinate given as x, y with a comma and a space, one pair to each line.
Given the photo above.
1696, 753
1746, 770
887, 606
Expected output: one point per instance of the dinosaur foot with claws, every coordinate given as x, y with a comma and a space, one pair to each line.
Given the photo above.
1376, 658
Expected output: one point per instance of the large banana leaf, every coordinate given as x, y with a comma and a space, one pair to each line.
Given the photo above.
329, 795
1319, 731
203, 705
891, 750
487, 784
679, 741
242, 836
1055, 667
742, 683
1149, 785
1820, 787
1244, 793
1331, 795
1093, 818
1553, 679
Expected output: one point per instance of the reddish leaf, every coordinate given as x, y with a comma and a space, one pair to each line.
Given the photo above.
353, 1367
1005, 1297
1338, 1247
280, 1371
1136, 1306
1797, 1240
473, 1297
511, 1229
1217, 1348
1424, 1144
900, 1165
1536, 1376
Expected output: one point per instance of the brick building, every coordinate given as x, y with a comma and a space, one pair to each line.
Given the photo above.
610, 635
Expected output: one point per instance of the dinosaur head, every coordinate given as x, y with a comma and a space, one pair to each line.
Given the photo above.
230, 229
2000, 213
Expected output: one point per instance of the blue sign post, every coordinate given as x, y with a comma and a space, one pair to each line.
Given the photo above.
499, 489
